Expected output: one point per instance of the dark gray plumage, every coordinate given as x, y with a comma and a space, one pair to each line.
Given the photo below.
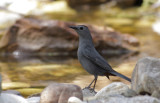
90, 59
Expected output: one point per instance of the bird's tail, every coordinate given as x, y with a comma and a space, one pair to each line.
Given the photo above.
120, 75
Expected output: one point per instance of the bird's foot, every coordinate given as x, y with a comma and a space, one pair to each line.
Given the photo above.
90, 89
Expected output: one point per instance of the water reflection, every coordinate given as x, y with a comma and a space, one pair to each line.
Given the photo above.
38, 73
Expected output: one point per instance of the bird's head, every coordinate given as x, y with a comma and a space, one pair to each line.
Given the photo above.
82, 31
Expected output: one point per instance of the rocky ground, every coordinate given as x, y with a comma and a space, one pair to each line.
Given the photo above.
144, 88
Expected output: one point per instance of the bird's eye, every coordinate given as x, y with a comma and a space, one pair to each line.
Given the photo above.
81, 28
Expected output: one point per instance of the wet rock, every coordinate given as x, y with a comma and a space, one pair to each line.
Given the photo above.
12, 92
60, 93
113, 89
11, 98
120, 93
156, 94
32, 37
137, 99
74, 100
145, 77
88, 92
33, 100
129, 93
77, 100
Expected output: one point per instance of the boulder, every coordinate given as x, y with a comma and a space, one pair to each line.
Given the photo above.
88, 92
33, 100
136, 99
32, 37
145, 77
11, 98
77, 100
12, 92
74, 100
120, 93
60, 93
116, 89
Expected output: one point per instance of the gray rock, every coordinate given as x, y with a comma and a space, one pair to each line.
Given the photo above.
88, 92
113, 89
77, 100
137, 99
33, 37
33, 100
12, 92
74, 100
60, 92
129, 93
34, 95
145, 77
156, 94
11, 98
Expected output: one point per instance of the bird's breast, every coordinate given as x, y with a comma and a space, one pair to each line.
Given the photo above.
89, 66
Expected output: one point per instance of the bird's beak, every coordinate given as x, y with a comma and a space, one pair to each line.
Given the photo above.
73, 27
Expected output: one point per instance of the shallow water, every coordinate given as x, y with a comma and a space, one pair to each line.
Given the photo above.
34, 74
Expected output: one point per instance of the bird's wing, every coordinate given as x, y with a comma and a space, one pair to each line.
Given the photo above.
96, 58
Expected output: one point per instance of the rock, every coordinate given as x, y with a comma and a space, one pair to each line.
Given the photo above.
60, 93
156, 94
33, 100
145, 76
137, 99
77, 100
11, 98
88, 92
7, 19
74, 100
129, 93
32, 37
113, 89
12, 92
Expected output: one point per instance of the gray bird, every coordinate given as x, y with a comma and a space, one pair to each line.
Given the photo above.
90, 59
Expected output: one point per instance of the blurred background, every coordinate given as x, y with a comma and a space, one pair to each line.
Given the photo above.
37, 46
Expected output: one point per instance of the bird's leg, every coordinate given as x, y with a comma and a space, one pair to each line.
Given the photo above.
96, 77
91, 83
